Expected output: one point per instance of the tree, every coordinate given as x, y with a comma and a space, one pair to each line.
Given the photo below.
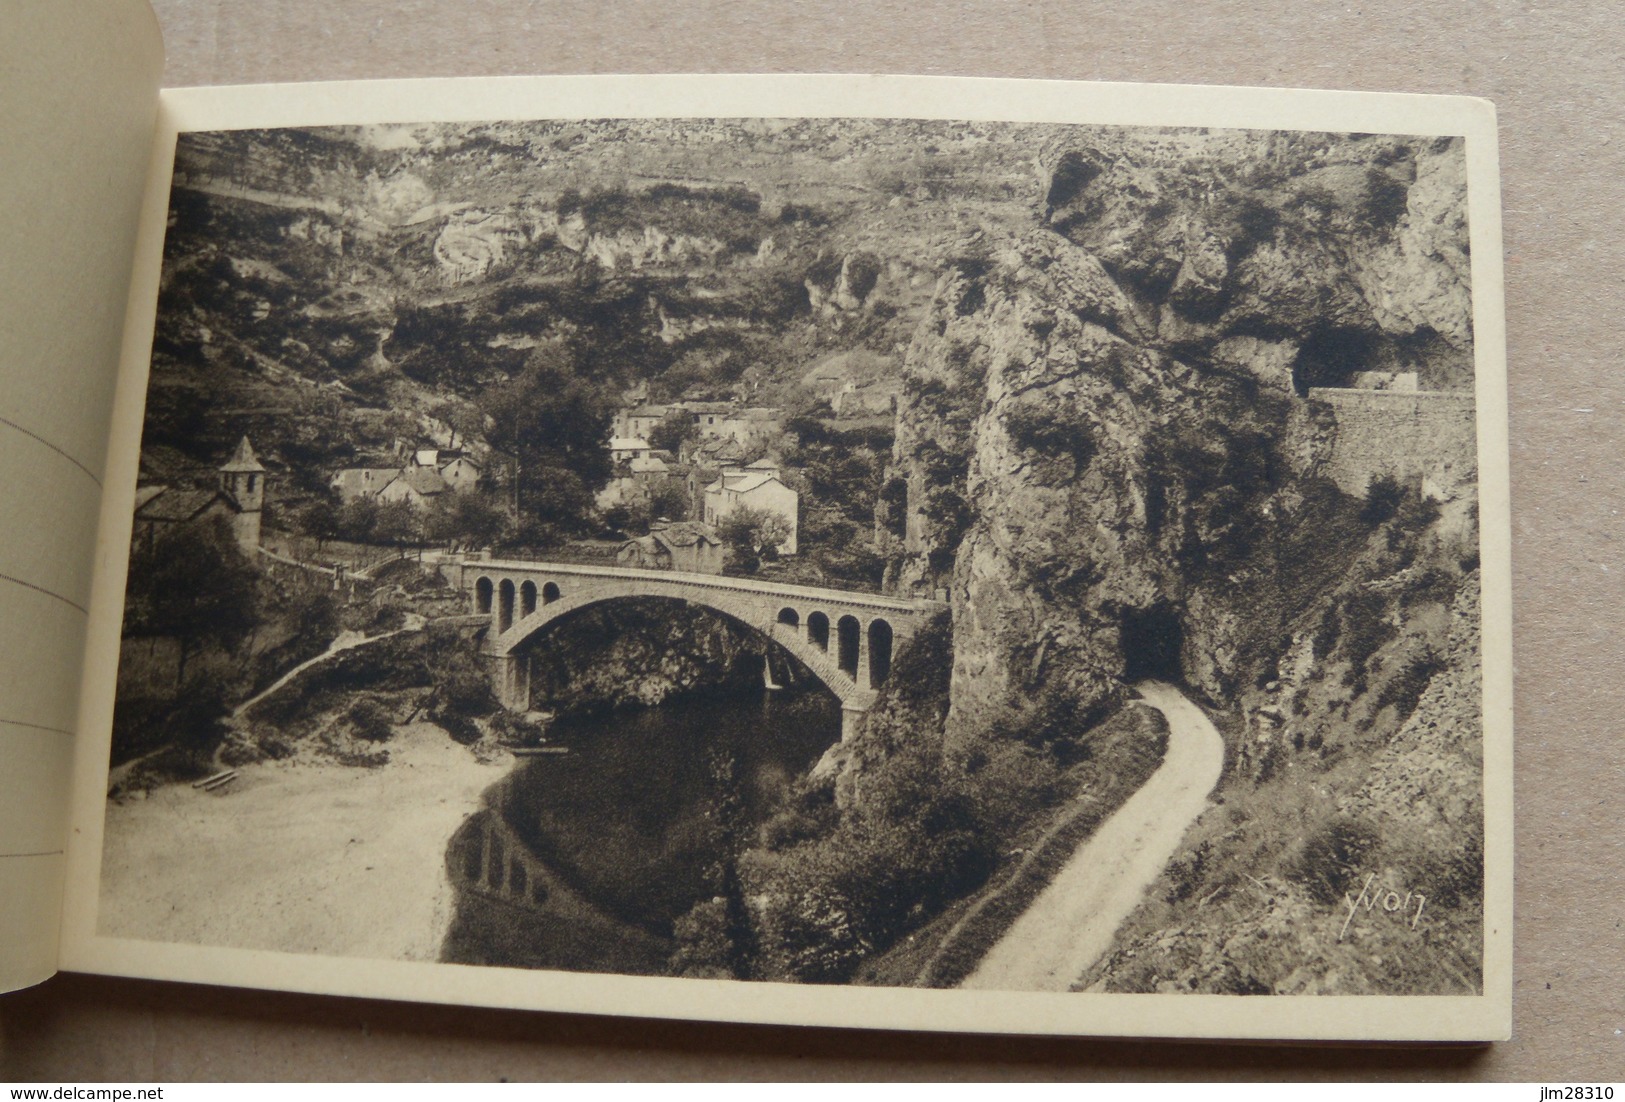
320, 521
668, 500
195, 586
397, 523
464, 520
553, 424
462, 418
357, 519
753, 536
674, 429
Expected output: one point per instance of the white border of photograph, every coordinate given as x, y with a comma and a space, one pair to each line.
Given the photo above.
1434, 1018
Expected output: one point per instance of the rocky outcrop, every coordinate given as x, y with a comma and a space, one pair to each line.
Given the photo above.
1108, 452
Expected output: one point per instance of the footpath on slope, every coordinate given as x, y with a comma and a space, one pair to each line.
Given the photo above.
1072, 922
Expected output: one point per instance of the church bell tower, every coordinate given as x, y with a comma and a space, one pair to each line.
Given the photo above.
243, 479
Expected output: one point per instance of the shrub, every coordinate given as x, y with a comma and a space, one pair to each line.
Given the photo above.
704, 948
1330, 858
1382, 500
1406, 687
1365, 615
369, 720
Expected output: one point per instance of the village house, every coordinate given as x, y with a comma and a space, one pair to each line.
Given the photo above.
355, 482
634, 482
239, 499
754, 487
683, 545
746, 426
712, 420
638, 422
417, 486
461, 475
623, 448
428, 473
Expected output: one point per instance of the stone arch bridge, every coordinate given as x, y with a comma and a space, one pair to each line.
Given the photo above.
846, 639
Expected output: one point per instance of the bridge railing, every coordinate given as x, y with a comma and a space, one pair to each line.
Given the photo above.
713, 582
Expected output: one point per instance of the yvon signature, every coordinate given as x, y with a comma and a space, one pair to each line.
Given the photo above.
1391, 902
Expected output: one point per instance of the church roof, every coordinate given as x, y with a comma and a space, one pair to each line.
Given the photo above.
144, 494
181, 505
242, 460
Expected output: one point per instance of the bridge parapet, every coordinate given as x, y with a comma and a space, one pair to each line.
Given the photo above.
845, 638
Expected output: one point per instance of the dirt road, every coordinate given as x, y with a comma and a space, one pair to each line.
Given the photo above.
298, 857
1072, 921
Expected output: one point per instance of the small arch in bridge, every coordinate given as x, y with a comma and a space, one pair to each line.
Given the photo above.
818, 630
550, 593
789, 616
482, 595
518, 883
880, 643
505, 605
848, 637
474, 859
527, 599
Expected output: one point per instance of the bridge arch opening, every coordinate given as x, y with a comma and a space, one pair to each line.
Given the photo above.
818, 630
880, 644
848, 640
590, 620
518, 882
789, 616
505, 605
527, 599
550, 593
482, 595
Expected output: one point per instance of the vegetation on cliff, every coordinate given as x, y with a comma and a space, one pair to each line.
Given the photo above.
1110, 463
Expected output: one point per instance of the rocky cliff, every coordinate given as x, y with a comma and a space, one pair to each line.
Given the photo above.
1114, 466
1104, 417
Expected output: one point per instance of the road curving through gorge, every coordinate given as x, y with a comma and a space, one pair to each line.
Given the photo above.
1073, 920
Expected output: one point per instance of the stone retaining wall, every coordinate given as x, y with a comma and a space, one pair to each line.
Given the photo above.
1429, 436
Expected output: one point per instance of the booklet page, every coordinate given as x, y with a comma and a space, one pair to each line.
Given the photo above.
80, 92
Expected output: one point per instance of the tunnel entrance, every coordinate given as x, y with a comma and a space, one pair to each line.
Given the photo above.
1331, 356
1152, 640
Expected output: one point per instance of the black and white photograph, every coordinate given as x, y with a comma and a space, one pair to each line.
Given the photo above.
873, 552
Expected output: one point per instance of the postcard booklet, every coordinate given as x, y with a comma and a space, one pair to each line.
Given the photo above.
861, 551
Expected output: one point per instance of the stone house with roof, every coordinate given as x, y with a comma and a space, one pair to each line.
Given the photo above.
683, 545
427, 474
754, 487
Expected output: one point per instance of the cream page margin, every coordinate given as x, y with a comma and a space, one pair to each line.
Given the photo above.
79, 91
1439, 1018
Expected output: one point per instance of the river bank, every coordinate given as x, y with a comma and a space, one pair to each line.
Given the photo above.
298, 856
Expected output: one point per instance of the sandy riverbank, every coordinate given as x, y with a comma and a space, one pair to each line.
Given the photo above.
297, 856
